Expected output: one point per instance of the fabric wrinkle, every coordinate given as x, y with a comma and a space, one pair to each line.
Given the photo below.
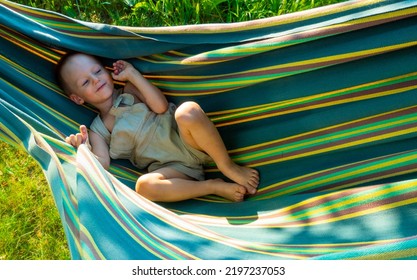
149, 140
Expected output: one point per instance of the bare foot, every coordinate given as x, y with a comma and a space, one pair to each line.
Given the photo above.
244, 176
230, 191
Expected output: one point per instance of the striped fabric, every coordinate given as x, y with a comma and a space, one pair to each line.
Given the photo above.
323, 103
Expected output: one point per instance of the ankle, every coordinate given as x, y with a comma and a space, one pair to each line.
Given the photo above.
226, 165
213, 186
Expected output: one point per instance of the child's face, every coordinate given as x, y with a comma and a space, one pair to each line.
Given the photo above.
88, 80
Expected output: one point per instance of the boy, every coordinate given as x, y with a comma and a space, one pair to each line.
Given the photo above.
140, 125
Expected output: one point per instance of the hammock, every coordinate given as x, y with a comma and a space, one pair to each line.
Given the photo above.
322, 103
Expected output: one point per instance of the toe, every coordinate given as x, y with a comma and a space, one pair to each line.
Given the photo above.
239, 198
253, 183
251, 190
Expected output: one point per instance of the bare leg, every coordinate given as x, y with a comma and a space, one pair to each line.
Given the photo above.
198, 131
168, 185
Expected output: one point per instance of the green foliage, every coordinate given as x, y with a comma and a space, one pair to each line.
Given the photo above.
174, 12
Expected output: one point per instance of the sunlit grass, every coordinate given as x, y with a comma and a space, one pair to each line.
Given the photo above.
30, 226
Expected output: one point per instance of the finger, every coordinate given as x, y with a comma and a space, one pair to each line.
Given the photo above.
68, 139
73, 140
79, 139
118, 65
116, 73
121, 63
84, 132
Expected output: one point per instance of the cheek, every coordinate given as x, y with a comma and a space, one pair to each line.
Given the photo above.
110, 79
88, 92
106, 75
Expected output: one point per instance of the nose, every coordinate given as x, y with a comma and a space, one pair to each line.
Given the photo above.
95, 79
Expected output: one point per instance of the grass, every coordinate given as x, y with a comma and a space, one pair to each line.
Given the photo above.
30, 224
30, 227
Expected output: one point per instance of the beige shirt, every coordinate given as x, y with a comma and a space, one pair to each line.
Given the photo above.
149, 140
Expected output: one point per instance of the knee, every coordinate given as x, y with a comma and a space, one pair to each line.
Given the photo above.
146, 185
188, 112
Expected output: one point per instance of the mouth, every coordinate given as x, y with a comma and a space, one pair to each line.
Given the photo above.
101, 87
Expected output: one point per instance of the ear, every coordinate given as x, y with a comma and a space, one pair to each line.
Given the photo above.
76, 99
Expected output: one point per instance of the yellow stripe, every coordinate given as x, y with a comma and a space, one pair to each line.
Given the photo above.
324, 197
343, 56
84, 254
273, 219
276, 142
337, 147
334, 218
269, 45
37, 51
287, 103
332, 138
311, 107
353, 200
381, 255
150, 241
245, 82
63, 118
32, 11
333, 178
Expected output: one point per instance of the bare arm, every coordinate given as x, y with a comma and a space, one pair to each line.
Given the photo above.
100, 148
141, 87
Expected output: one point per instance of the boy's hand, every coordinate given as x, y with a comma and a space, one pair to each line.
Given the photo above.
123, 71
79, 138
